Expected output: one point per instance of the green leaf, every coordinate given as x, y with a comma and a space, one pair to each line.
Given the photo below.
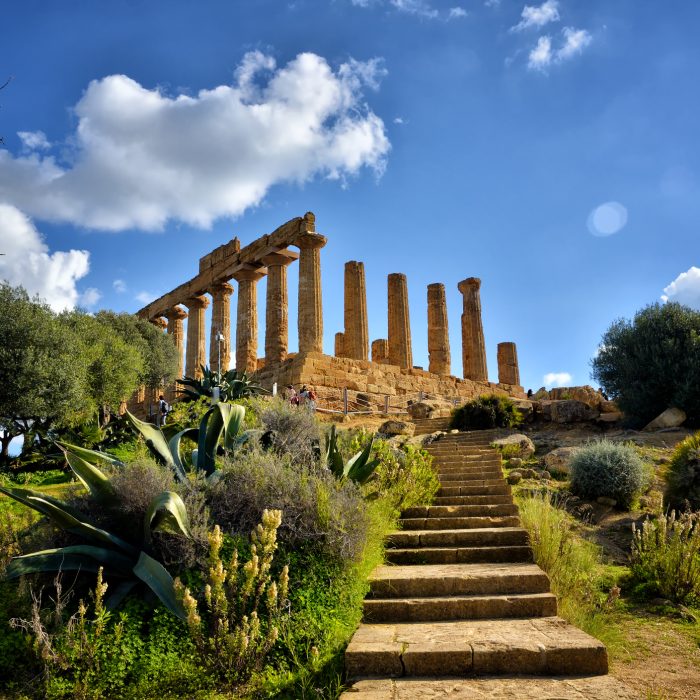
359, 467
90, 476
233, 426
155, 576
334, 459
90, 455
75, 558
22, 496
117, 592
166, 513
210, 429
174, 446
155, 440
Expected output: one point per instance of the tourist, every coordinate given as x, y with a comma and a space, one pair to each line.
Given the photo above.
290, 395
303, 395
163, 409
311, 399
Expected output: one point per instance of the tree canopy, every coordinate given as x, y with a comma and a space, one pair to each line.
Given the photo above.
652, 362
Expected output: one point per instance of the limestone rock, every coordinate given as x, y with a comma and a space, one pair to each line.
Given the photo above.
525, 446
430, 408
397, 427
514, 477
544, 475
515, 462
585, 394
558, 460
608, 407
609, 417
525, 407
568, 411
670, 418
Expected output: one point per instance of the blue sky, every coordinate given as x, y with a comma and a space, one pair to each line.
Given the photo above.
550, 149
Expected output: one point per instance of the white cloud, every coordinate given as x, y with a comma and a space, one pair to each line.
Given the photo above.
492, 3
457, 13
34, 140
415, 7
533, 17
140, 157
541, 56
685, 289
90, 297
557, 379
399, 120
119, 286
575, 41
28, 262
607, 219
145, 297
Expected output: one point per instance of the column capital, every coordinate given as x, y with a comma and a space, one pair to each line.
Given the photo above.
160, 322
469, 283
176, 313
279, 259
222, 288
248, 275
196, 302
310, 240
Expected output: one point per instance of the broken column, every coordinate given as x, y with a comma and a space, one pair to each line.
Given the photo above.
438, 337
220, 337
356, 338
399, 341
196, 342
247, 320
339, 348
310, 310
379, 350
176, 330
508, 371
473, 346
276, 308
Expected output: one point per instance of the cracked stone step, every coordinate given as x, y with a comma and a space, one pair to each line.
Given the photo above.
494, 688
459, 555
456, 579
458, 476
474, 607
486, 537
477, 521
536, 646
482, 475
460, 510
464, 488
459, 500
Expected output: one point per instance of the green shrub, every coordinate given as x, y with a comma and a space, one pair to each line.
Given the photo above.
666, 556
604, 468
294, 431
486, 412
683, 475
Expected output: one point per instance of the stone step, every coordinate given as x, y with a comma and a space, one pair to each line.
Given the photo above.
463, 450
476, 522
463, 464
456, 579
460, 510
464, 488
455, 607
459, 555
533, 646
576, 687
476, 537
498, 499
448, 477
490, 473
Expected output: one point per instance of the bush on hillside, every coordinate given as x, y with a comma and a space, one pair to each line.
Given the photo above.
486, 412
294, 432
652, 362
683, 475
604, 468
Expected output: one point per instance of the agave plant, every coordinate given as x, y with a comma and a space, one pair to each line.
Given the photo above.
232, 385
132, 564
359, 468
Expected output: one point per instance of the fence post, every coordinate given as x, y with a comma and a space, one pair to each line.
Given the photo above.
420, 395
386, 404
274, 389
345, 401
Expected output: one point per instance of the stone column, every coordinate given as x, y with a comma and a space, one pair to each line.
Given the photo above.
473, 346
438, 337
159, 322
176, 329
339, 345
196, 345
508, 371
220, 323
379, 350
399, 345
276, 308
356, 343
310, 306
247, 320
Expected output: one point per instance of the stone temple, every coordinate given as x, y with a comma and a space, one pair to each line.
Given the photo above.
372, 375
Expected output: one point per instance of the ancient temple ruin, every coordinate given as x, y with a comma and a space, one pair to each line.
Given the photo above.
375, 378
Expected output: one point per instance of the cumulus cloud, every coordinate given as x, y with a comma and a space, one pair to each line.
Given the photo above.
28, 262
119, 286
534, 17
140, 157
415, 7
90, 297
457, 13
557, 379
145, 297
541, 56
685, 289
34, 140
575, 41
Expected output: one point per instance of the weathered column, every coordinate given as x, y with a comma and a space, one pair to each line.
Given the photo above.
220, 323
438, 337
247, 320
196, 342
508, 371
339, 344
356, 340
159, 322
276, 308
379, 350
399, 341
310, 306
176, 329
473, 346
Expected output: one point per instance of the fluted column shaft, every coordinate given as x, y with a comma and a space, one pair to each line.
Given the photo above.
508, 370
247, 320
176, 330
220, 324
399, 341
339, 344
276, 308
356, 339
438, 336
379, 350
196, 341
310, 320
473, 345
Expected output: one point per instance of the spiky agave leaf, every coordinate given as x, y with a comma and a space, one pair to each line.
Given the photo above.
155, 440
175, 450
166, 513
156, 577
89, 475
360, 467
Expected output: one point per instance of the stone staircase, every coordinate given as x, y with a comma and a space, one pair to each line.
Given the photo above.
460, 598
425, 426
